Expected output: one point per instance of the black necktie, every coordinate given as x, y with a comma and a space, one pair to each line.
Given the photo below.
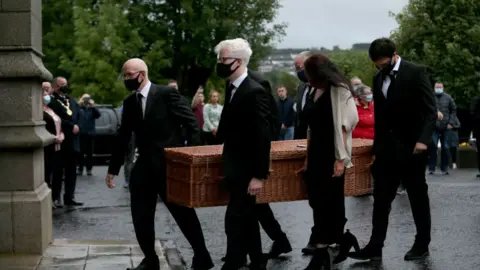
140, 105
230, 88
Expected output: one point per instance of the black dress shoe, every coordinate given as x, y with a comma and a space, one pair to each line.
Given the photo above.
279, 247
320, 260
309, 249
56, 204
202, 263
417, 252
369, 252
73, 203
146, 265
244, 262
89, 173
346, 243
231, 266
260, 264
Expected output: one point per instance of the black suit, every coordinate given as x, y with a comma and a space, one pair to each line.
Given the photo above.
70, 145
165, 109
406, 116
245, 131
300, 123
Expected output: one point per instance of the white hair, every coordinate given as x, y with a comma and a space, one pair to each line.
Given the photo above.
304, 55
237, 48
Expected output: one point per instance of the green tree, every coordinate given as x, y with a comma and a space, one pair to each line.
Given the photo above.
282, 78
191, 28
354, 63
445, 36
104, 40
58, 38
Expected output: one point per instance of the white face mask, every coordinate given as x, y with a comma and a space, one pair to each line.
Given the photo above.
438, 90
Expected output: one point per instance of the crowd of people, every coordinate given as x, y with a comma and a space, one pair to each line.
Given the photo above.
403, 113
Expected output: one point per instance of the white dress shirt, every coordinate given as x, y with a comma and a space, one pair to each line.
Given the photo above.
144, 95
236, 83
387, 80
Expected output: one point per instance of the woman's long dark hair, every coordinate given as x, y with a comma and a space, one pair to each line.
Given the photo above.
321, 71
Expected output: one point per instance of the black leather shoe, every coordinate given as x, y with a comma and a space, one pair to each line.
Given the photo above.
89, 173
346, 243
231, 266
261, 264
57, 204
279, 247
244, 262
417, 252
202, 263
309, 249
320, 260
73, 203
146, 265
369, 252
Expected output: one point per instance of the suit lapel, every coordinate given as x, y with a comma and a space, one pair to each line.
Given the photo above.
240, 90
378, 85
393, 89
150, 100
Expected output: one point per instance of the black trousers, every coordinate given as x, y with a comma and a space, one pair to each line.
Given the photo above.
388, 173
268, 221
65, 168
477, 143
241, 224
53, 176
86, 153
210, 139
327, 200
146, 184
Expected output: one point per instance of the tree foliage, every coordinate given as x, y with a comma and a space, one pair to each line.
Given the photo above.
88, 40
445, 36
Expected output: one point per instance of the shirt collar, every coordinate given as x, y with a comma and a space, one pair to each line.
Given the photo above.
240, 79
397, 65
146, 89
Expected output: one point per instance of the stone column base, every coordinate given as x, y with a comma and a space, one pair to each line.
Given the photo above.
26, 225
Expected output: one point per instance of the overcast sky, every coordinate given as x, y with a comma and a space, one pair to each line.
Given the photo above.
325, 23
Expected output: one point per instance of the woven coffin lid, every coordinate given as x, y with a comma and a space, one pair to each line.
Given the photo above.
200, 154
361, 146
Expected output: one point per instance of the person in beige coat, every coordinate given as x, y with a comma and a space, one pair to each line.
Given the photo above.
331, 115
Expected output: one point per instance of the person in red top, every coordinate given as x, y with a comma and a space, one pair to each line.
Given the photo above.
197, 108
364, 128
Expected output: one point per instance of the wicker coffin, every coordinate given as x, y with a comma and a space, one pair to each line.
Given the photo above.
194, 176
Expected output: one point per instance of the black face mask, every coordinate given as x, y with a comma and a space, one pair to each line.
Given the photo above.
386, 69
132, 84
301, 76
66, 90
224, 70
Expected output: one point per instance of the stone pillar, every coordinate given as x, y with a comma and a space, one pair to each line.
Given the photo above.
25, 199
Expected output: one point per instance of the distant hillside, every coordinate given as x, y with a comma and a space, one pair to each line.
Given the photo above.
293, 51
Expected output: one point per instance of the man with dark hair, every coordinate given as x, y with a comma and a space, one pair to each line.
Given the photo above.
405, 116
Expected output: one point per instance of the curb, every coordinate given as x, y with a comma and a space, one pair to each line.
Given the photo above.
174, 258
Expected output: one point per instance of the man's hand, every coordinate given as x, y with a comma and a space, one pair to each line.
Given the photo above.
449, 126
214, 132
255, 186
419, 148
91, 102
439, 115
76, 129
109, 181
338, 168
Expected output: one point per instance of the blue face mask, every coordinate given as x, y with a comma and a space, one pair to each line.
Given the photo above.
438, 91
47, 99
301, 76
368, 98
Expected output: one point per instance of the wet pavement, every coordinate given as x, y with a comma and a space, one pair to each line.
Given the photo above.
455, 202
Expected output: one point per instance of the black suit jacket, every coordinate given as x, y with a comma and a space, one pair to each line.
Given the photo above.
300, 124
71, 141
245, 131
274, 114
165, 110
407, 115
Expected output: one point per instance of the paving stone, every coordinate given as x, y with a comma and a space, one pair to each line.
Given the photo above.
66, 252
61, 267
108, 260
108, 267
109, 250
